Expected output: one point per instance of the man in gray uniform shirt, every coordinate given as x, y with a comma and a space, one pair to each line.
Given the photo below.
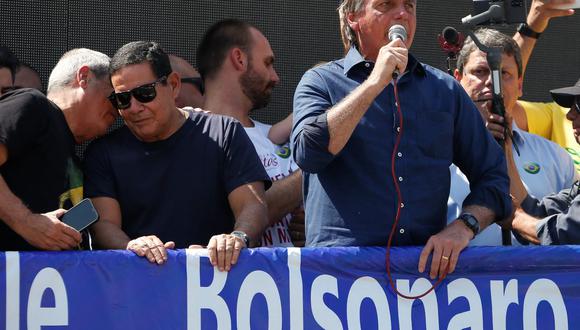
555, 219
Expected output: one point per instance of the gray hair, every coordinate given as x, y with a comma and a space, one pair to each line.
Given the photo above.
346, 32
490, 38
66, 69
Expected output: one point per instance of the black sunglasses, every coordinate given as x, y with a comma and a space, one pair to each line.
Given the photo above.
195, 81
144, 94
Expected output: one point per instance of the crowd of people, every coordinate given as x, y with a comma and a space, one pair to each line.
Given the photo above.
379, 148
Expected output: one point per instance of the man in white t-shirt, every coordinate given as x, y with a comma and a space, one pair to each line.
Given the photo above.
237, 64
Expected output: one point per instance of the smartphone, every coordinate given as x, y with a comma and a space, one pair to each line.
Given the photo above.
81, 215
574, 5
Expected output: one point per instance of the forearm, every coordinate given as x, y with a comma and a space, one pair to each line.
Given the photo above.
284, 196
345, 116
107, 235
484, 215
280, 132
12, 209
538, 18
527, 45
517, 188
252, 220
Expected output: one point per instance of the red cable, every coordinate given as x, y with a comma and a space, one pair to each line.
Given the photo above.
399, 202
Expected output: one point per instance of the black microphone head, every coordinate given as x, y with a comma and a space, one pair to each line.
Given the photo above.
397, 32
450, 35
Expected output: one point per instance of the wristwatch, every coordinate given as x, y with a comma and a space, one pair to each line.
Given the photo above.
243, 236
471, 222
525, 30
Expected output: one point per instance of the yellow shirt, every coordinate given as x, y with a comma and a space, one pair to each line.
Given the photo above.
549, 121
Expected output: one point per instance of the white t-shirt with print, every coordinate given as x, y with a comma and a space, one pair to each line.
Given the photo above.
278, 162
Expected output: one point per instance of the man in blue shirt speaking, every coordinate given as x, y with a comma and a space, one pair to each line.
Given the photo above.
349, 115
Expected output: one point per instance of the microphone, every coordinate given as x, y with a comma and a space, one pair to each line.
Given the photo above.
451, 41
397, 31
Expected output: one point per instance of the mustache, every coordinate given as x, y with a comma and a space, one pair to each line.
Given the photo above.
482, 100
271, 85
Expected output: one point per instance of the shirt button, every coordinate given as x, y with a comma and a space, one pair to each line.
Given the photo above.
367, 64
398, 129
402, 205
402, 231
400, 154
396, 104
400, 178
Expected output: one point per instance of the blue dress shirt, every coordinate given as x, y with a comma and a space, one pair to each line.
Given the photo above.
350, 199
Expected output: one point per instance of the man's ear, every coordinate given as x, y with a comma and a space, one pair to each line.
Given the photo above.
239, 59
82, 76
174, 80
352, 20
458, 76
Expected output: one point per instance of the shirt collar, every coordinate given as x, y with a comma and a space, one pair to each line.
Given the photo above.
353, 58
518, 136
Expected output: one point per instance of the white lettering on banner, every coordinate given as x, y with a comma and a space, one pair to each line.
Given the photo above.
501, 299
367, 287
323, 315
473, 318
38, 316
502, 294
259, 282
405, 305
12, 290
295, 290
544, 290
199, 297
363, 288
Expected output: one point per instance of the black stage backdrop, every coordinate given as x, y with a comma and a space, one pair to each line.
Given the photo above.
302, 33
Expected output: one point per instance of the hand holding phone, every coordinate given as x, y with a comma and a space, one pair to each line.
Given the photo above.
81, 215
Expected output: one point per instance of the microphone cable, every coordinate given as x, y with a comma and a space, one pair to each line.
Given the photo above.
399, 204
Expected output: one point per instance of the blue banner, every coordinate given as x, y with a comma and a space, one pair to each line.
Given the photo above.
324, 288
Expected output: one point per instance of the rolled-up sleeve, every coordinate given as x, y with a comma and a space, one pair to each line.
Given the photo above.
560, 218
310, 135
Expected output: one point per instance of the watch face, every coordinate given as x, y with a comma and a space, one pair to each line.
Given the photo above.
471, 222
243, 236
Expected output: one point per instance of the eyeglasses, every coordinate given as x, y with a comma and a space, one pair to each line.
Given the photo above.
195, 81
144, 94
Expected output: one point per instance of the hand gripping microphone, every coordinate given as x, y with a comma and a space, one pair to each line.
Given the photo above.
397, 32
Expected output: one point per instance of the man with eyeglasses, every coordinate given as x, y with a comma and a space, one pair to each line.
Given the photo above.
171, 177
191, 91
554, 219
39, 174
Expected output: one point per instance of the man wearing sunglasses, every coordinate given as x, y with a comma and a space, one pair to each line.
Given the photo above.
38, 167
555, 219
237, 64
170, 177
191, 91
